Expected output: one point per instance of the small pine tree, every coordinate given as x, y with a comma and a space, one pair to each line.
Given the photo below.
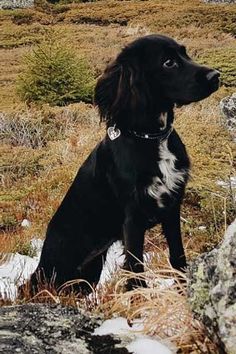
54, 74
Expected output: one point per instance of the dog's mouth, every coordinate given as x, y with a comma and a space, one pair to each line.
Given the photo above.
200, 94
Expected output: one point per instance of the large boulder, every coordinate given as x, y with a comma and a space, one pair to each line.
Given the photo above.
212, 291
40, 328
54, 329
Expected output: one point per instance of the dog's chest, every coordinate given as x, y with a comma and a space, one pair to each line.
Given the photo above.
171, 178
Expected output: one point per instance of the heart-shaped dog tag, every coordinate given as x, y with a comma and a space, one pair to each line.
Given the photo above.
113, 133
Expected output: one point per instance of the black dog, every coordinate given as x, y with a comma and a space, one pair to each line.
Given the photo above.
136, 177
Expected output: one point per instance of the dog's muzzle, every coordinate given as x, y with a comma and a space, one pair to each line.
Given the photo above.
213, 78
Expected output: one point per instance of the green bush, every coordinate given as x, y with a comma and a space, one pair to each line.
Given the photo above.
53, 74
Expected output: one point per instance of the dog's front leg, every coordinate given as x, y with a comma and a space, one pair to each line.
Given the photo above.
133, 233
172, 231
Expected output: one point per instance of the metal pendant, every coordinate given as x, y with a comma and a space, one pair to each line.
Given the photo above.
113, 133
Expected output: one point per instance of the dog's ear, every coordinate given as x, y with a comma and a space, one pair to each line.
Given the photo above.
121, 91
106, 91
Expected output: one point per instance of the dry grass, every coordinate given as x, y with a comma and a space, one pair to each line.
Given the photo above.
98, 30
34, 179
36, 176
16, 241
35, 194
161, 310
38, 165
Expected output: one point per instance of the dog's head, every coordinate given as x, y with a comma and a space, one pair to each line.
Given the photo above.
148, 77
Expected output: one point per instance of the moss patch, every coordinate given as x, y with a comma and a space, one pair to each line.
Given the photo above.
222, 59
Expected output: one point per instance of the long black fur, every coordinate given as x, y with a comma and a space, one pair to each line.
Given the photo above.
109, 198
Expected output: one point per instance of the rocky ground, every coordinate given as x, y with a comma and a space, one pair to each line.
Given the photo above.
43, 328
39, 328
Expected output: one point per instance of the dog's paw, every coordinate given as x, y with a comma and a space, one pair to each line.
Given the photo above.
179, 264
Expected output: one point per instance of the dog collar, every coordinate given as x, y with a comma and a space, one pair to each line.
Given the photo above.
115, 133
161, 135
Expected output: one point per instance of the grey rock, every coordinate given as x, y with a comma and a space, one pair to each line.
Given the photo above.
41, 328
212, 291
228, 109
16, 4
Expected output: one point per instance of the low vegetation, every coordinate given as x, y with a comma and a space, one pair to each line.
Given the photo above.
43, 146
53, 74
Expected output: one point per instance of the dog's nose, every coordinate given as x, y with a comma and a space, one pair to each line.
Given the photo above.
213, 75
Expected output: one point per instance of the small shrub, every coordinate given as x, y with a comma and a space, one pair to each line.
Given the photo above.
26, 249
33, 131
23, 17
41, 5
50, 7
54, 74
8, 223
19, 131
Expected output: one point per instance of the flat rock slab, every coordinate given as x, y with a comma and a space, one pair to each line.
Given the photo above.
40, 328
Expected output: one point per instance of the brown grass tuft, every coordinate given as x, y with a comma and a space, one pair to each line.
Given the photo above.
162, 309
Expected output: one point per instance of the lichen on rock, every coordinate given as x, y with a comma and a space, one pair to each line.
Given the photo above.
212, 291
41, 328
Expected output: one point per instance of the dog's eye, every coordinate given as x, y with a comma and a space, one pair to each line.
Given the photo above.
170, 64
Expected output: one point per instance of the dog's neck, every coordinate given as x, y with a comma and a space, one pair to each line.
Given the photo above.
156, 128
156, 122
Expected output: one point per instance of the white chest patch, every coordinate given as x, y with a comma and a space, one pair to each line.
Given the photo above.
172, 178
